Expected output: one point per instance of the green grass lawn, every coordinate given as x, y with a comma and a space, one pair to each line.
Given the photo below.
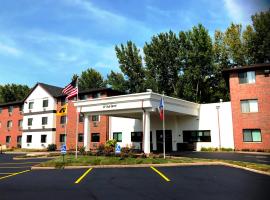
104, 160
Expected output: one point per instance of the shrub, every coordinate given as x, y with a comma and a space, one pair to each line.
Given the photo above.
100, 149
110, 143
51, 147
125, 150
82, 150
143, 155
226, 149
108, 150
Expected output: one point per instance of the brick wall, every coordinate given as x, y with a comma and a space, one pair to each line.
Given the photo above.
15, 130
260, 120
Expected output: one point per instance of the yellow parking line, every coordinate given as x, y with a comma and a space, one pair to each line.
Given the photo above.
14, 174
161, 174
7, 173
84, 174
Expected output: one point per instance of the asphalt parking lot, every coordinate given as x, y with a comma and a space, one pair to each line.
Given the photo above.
245, 157
203, 182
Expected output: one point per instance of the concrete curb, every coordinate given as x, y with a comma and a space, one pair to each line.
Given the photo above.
33, 158
156, 165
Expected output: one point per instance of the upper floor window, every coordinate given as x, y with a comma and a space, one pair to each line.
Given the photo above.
96, 95
21, 108
10, 109
1, 110
249, 106
83, 97
9, 124
81, 117
63, 120
30, 121
247, 77
31, 105
95, 118
45, 103
44, 120
252, 135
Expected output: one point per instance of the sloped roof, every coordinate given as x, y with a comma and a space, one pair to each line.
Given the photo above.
11, 103
52, 90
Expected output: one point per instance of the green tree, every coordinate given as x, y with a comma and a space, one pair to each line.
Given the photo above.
261, 37
117, 81
248, 45
90, 79
131, 65
162, 63
196, 55
13, 92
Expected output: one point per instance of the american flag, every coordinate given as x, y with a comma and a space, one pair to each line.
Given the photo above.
161, 109
71, 89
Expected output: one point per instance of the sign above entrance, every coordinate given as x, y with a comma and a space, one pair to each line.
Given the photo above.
109, 106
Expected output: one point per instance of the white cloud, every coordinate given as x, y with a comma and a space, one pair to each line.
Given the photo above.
9, 50
235, 11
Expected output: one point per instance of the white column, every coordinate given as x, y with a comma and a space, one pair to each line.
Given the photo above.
146, 141
86, 138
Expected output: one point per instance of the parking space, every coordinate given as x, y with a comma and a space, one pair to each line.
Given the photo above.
203, 182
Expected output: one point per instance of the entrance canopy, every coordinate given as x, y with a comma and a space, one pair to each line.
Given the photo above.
132, 105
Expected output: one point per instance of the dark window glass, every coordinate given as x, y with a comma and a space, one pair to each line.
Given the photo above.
246, 77
197, 136
9, 124
21, 108
44, 120
8, 139
45, 103
19, 139
252, 135
1, 110
62, 137
117, 136
43, 139
96, 95
63, 101
81, 117
95, 137
80, 137
30, 121
95, 118
31, 105
20, 123
136, 136
63, 120
10, 109
29, 139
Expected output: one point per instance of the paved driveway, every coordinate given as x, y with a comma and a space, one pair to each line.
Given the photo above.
245, 157
196, 182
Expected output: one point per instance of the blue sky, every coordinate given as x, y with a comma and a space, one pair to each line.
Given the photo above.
50, 40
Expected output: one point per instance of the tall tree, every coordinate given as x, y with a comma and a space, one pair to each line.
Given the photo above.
90, 79
196, 55
131, 65
162, 63
117, 81
248, 45
261, 37
13, 92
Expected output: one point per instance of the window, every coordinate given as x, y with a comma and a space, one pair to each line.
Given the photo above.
246, 77
44, 120
31, 105
96, 95
8, 139
21, 108
80, 137
9, 124
62, 137
29, 139
136, 136
45, 103
95, 137
81, 117
30, 121
83, 97
95, 118
197, 136
43, 139
249, 106
1, 110
252, 135
63, 120
117, 136
10, 109
63, 101
20, 123
19, 139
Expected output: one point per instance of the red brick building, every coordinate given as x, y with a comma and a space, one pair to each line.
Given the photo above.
250, 100
11, 117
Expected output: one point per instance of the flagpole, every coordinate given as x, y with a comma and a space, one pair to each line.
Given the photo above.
66, 122
77, 121
164, 146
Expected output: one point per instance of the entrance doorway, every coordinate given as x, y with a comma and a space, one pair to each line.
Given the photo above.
168, 140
